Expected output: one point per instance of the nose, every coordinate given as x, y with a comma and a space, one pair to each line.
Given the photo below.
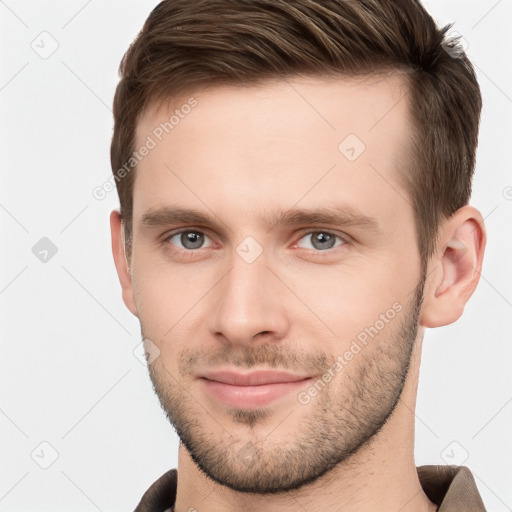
251, 304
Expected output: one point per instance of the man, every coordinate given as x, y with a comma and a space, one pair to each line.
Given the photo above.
294, 178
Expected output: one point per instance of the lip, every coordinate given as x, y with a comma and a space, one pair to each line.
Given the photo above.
255, 378
251, 390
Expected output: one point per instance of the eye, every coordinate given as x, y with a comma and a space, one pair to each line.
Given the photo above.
188, 240
320, 240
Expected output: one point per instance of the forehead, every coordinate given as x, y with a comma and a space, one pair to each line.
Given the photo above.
277, 137
360, 103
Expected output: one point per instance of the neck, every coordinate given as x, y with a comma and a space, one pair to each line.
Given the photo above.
380, 476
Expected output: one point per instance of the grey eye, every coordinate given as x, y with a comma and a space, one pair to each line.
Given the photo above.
320, 240
189, 239
192, 239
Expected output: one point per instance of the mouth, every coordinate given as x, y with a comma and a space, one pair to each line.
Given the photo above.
251, 390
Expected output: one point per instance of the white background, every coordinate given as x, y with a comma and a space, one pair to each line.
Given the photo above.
68, 375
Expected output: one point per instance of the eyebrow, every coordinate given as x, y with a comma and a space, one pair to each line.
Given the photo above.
345, 216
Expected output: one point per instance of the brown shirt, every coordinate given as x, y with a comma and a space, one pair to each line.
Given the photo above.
453, 488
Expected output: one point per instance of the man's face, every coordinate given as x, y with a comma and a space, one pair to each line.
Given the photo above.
304, 261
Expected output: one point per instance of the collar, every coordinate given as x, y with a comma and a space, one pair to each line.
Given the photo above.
453, 488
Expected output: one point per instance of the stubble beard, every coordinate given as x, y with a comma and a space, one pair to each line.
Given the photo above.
341, 420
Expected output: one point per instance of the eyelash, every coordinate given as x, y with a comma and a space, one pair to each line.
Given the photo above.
344, 240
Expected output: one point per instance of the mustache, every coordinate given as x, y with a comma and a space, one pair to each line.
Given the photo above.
273, 356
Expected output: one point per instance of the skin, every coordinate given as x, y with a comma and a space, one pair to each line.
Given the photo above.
242, 155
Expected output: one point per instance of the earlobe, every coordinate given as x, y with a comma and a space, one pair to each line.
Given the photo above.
121, 262
454, 270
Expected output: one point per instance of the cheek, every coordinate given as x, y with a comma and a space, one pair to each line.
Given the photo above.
168, 299
162, 317
347, 298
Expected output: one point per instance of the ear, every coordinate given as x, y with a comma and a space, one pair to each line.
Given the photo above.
454, 269
121, 262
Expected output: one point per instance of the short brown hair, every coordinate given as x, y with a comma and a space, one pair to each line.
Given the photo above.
188, 45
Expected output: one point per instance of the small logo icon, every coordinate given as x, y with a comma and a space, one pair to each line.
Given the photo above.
247, 454
44, 250
146, 352
455, 454
249, 249
44, 455
45, 45
351, 147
